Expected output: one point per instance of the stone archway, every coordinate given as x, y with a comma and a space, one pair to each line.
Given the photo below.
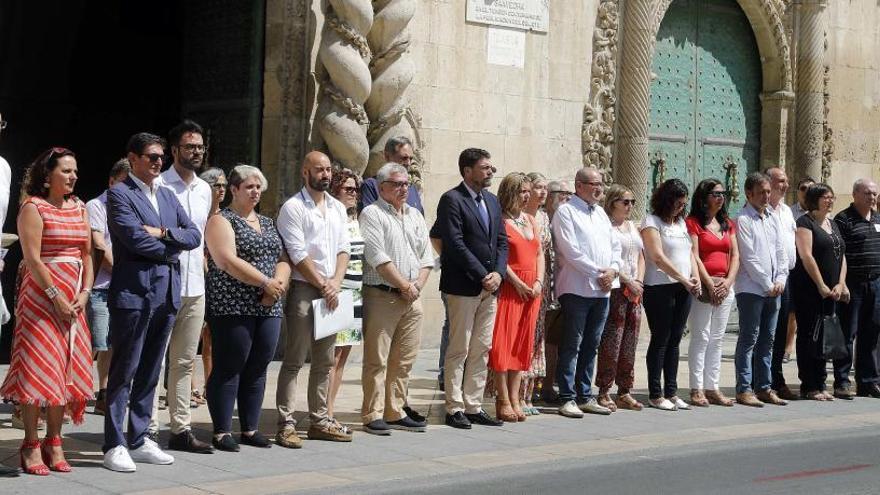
641, 21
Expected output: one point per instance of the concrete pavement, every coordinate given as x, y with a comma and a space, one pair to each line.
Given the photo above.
442, 452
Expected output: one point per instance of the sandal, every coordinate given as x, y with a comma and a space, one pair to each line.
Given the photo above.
815, 395
60, 466
627, 401
828, 396
520, 414
505, 412
605, 401
36, 469
698, 398
198, 398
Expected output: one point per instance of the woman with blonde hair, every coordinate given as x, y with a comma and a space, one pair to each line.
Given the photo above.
617, 350
519, 299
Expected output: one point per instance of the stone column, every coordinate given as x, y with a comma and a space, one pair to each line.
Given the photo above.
810, 86
631, 160
775, 109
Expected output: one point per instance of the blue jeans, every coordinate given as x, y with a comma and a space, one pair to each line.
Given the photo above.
584, 321
99, 319
754, 347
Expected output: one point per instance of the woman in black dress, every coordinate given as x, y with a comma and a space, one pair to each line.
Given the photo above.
818, 282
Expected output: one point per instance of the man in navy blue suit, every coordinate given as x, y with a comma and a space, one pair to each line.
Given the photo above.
149, 229
474, 261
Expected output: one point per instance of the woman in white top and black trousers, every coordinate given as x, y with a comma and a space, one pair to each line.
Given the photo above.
671, 276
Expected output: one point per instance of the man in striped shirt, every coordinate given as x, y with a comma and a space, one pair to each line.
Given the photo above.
860, 227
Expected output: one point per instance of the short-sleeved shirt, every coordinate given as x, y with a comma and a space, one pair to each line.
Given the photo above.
828, 251
862, 238
676, 244
226, 295
370, 193
714, 251
97, 209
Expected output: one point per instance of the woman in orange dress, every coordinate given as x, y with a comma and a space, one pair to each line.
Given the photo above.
51, 346
519, 300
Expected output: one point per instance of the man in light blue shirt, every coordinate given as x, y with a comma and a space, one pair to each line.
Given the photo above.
759, 283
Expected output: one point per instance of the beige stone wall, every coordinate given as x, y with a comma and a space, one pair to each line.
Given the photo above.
854, 54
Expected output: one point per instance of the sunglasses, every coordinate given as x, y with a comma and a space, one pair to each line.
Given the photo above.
154, 157
717, 194
804, 188
627, 202
219, 186
350, 190
57, 151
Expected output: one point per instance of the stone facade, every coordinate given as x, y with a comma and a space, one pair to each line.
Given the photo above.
580, 96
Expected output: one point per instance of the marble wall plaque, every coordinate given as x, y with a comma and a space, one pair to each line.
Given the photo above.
531, 15
506, 46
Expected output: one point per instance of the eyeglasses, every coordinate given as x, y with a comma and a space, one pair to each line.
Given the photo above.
351, 189
154, 157
717, 194
397, 184
564, 193
194, 148
592, 183
219, 186
627, 202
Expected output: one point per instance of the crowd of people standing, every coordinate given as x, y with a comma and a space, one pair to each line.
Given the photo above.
544, 289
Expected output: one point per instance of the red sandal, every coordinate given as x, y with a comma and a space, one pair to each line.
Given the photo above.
38, 469
60, 466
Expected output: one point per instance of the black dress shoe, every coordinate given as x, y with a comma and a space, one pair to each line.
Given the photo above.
256, 440
458, 420
869, 390
188, 442
440, 384
413, 415
226, 443
481, 418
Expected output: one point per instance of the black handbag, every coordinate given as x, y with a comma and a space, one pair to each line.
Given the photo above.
828, 339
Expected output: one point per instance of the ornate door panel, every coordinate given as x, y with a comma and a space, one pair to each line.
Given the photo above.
708, 70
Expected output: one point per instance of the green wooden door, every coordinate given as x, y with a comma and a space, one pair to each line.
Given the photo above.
705, 109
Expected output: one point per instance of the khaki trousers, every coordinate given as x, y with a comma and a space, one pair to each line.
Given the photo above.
298, 326
392, 334
471, 321
182, 348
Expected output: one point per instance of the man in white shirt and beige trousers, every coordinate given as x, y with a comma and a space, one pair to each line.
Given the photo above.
314, 228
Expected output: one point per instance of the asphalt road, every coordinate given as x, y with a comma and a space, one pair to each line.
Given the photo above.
839, 463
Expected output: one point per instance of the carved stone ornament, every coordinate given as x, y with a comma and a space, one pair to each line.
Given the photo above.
597, 132
827, 131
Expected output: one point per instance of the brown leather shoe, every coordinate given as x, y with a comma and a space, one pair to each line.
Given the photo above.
698, 398
769, 397
717, 398
845, 392
330, 430
785, 393
287, 437
748, 399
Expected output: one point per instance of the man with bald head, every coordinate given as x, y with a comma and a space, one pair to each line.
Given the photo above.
860, 227
313, 226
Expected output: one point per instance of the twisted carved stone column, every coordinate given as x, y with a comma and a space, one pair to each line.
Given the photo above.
392, 71
810, 87
631, 162
344, 53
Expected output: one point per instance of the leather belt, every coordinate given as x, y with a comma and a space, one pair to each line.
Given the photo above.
385, 288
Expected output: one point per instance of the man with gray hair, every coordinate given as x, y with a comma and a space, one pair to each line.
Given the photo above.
397, 150
859, 226
397, 262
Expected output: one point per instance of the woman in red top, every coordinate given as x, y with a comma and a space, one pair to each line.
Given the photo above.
713, 237
51, 346
519, 299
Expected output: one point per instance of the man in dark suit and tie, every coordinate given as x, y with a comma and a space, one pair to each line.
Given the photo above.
474, 261
149, 229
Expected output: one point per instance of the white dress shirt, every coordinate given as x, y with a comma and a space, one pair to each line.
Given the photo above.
585, 246
308, 233
149, 191
762, 257
97, 209
195, 198
789, 227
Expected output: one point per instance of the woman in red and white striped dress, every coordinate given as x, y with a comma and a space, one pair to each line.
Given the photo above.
51, 350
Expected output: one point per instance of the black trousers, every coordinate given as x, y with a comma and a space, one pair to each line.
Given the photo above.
780, 337
858, 322
666, 307
811, 369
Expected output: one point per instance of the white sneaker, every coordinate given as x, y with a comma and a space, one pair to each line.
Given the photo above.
117, 459
570, 410
593, 407
680, 404
150, 453
663, 404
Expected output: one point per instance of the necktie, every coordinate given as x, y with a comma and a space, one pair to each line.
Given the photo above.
484, 213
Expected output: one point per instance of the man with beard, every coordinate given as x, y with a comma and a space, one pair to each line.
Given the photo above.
188, 150
313, 226
474, 260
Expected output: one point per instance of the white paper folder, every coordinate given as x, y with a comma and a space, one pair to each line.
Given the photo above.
328, 322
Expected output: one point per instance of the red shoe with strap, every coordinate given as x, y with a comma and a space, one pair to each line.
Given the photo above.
37, 469
60, 466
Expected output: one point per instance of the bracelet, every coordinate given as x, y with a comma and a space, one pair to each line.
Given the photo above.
51, 292
87, 290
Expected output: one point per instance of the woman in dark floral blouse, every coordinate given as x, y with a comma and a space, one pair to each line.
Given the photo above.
248, 273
